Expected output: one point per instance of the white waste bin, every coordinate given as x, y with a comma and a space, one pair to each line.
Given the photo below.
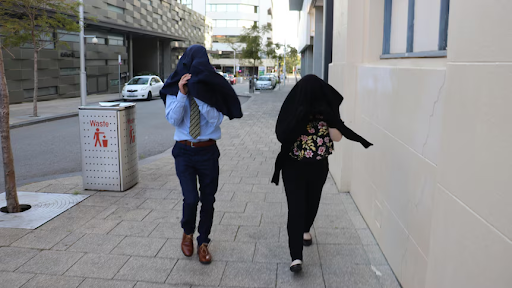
109, 146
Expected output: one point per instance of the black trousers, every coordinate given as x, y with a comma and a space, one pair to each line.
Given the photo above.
193, 163
303, 183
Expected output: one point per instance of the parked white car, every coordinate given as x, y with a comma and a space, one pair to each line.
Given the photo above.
142, 87
264, 82
273, 79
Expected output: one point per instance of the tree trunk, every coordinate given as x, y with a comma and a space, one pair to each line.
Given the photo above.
36, 82
11, 194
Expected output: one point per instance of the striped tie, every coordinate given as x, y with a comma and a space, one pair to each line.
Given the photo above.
195, 127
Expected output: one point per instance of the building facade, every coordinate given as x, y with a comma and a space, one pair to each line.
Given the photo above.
315, 35
229, 17
149, 36
422, 81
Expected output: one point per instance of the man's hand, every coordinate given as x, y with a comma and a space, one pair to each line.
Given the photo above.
183, 84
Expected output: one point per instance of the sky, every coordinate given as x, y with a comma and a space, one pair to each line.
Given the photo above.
285, 23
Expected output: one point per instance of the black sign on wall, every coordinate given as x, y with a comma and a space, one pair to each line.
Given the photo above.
67, 54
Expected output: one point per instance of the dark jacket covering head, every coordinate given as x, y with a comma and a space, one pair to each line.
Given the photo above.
309, 97
205, 84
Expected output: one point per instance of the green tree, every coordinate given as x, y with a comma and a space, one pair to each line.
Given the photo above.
292, 57
252, 38
37, 23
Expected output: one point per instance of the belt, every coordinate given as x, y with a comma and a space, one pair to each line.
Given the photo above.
198, 144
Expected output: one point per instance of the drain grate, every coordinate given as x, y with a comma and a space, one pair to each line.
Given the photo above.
45, 206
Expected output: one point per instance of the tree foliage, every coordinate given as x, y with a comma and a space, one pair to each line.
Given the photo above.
253, 44
37, 24
292, 58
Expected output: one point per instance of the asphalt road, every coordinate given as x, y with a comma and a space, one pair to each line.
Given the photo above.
51, 149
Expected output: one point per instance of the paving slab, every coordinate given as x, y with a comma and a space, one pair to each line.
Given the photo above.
139, 246
337, 255
98, 226
11, 258
257, 234
310, 276
97, 266
102, 283
337, 236
280, 253
71, 239
51, 262
241, 219
96, 243
146, 269
14, 280
192, 272
350, 276
40, 239
40, 281
250, 275
10, 235
133, 228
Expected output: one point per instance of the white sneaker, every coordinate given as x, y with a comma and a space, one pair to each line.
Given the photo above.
296, 266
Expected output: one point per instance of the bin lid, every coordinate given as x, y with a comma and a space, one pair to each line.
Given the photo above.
116, 106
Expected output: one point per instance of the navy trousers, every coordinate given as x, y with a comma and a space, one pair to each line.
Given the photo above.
193, 163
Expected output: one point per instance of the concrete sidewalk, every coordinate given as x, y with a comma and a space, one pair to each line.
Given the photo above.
132, 238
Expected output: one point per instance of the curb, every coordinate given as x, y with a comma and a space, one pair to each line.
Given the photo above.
50, 118
42, 120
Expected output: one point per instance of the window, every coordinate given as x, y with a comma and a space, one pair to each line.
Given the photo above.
231, 8
46, 40
415, 28
116, 40
242, 8
245, 23
220, 23
29, 93
100, 40
68, 36
221, 7
115, 9
187, 3
231, 23
69, 71
146, 1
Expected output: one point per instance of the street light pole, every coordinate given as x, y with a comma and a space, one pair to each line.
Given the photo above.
284, 66
234, 64
83, 83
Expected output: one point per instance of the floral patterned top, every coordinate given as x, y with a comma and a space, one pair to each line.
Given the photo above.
314, 144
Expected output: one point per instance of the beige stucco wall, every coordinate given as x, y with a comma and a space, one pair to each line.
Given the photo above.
436, 189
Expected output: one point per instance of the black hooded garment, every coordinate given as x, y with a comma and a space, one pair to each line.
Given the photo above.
310, 96
205, 84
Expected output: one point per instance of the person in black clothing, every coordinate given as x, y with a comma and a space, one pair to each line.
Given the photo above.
307, 125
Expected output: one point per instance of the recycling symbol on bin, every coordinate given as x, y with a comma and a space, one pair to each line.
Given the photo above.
97, 137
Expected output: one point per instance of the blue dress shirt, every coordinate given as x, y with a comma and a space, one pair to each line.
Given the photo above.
177, 112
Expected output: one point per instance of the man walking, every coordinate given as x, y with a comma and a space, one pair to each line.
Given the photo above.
196, 99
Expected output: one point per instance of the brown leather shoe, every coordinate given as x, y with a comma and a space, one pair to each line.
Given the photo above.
204, 255
187, 245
